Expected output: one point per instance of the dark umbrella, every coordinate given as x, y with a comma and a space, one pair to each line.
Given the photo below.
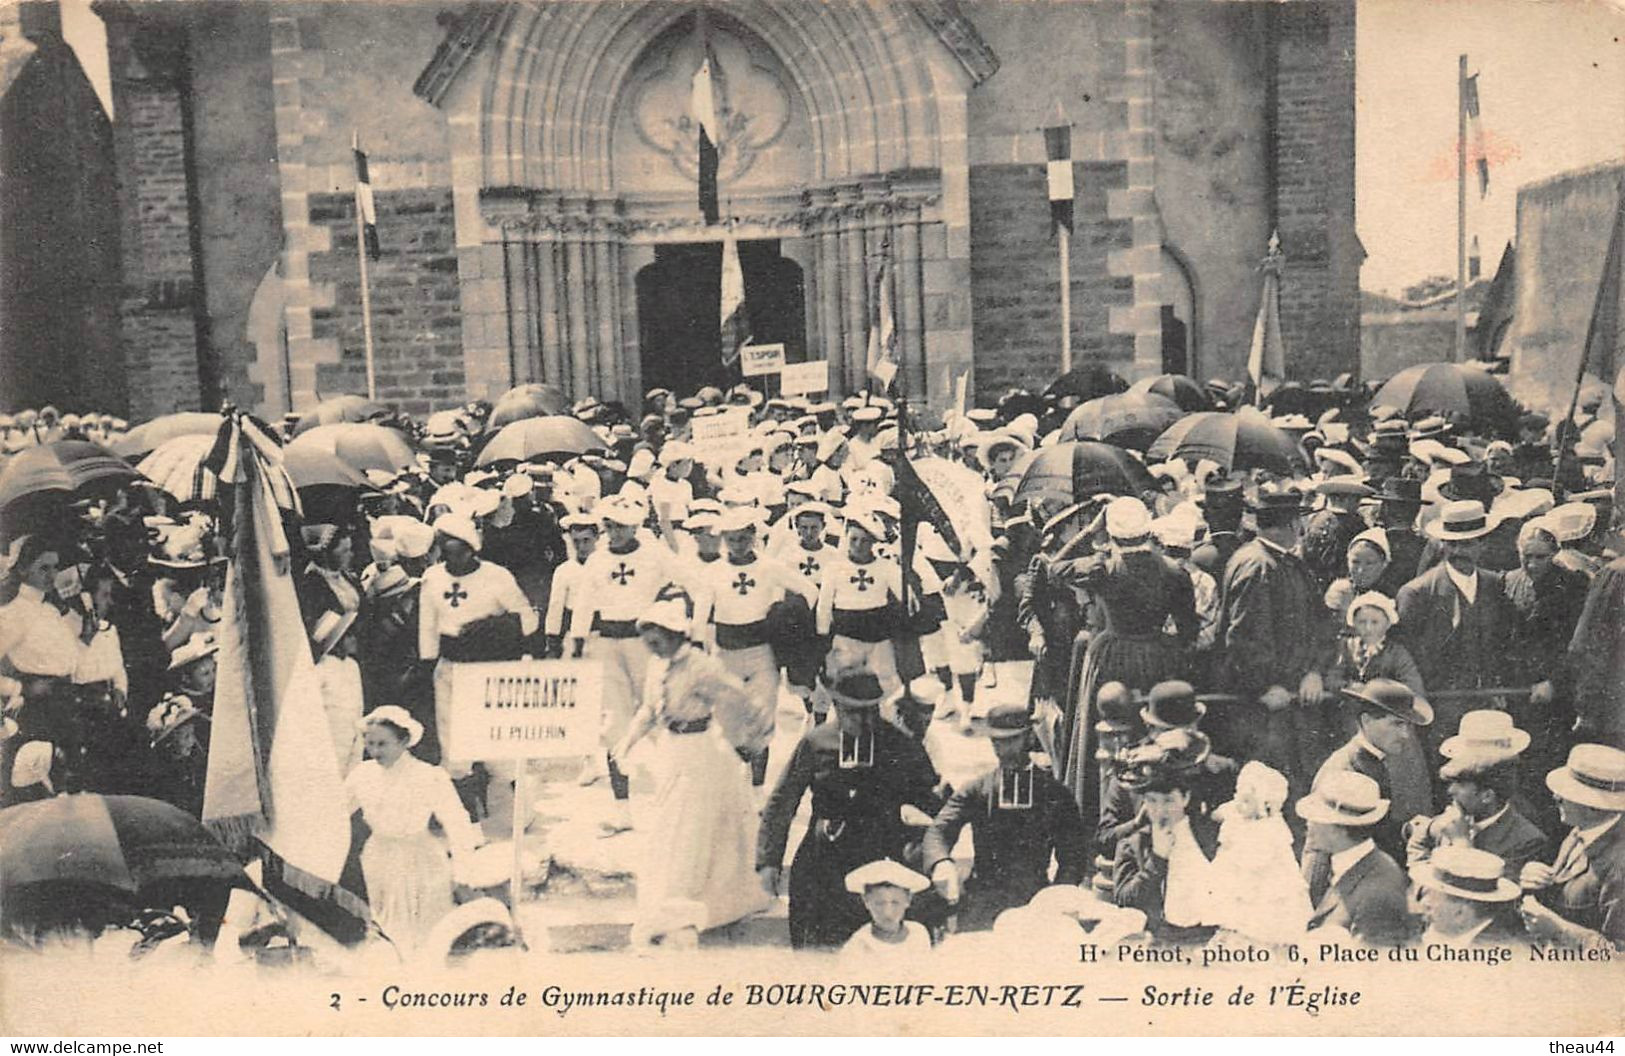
148, 436
61, 465
557, 436
1079, 469
1086, 383
1453, 390
1127, 419
121, 846
1243, 440
1184, 391
534, 400
340, 409
359, 445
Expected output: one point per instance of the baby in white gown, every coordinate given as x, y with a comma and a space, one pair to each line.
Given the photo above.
1258, 888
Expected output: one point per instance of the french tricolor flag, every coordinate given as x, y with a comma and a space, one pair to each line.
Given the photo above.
363, 199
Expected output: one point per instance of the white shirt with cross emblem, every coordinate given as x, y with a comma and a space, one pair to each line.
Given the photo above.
621, 587
449, 603
737, 595
852, 587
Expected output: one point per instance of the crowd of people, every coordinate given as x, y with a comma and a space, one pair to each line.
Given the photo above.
1378, 697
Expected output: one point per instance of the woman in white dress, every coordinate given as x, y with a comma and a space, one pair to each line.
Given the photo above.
703, 812
408, 873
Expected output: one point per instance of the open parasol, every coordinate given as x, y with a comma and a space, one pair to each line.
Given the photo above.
340, 409
534, 400
556, 436
1184, 391
1128, 419
1086, 383
359, 445
1243, 440
1076, 470
1461, 392
146, 437
61, 465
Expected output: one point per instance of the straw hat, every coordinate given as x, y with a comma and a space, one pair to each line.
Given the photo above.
1594, 777
1343, 797
1466, 872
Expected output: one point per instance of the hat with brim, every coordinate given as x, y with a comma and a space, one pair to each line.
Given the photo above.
195, 648
1003, 721
1392, 697
739, 519
458, 526
1485, 732
390, 582
1343, 797
1461, 521
466, 917
1345, 487
885, 871
396, 716
1278, 501
625, 514
1172, 705
859, 690
671, 615
1594, 777
1466, 872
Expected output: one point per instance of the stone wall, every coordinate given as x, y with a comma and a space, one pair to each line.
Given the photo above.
417, 333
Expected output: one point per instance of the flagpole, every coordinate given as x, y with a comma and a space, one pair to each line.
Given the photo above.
1461, 210
366, 290
1065, 247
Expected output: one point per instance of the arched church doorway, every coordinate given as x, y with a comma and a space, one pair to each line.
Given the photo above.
679, 304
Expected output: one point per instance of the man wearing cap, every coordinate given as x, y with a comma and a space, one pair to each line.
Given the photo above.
1366, 894
1455, 617
1585, 884
1328, 532
469, 610
1274, 638
1480, 775
732, 607
1020, 817
861, 771
858, 604
565, 591
1467, 900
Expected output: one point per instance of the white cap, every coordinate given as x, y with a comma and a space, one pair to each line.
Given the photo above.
1127, 519
459, 526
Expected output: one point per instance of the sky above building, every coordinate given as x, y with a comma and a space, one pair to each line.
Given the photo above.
1551, 92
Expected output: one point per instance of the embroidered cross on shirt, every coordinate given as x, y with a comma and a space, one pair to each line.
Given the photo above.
623, 573
743, 584
456, 594
809, 567
863, 579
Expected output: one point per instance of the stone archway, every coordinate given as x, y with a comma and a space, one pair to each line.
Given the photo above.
564, 183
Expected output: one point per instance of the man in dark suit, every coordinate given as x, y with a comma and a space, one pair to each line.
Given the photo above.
1400, 500
1481, 776
1020, 816
1222, 507
1467, 900
1455, 618
1388, 713
1367, 892
1581, 895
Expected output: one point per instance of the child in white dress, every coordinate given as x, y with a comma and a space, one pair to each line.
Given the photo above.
887, 888
1258, 889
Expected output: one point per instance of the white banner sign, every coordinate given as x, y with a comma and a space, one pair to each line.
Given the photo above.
804, 379
525, 709
755, 360
730, 423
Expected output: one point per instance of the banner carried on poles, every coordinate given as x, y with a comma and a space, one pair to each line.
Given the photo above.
272, 774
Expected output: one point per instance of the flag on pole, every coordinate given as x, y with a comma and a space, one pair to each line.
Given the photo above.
1058, 150
735, 323
882, 358
703, 112
363, 199
1475, 134
1267, 357
272, 774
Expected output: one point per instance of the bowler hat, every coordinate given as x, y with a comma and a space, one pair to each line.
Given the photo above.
1278, 500
1118, 709
860, 689
1005, 720
1393, 697
1172, 704
1400, 491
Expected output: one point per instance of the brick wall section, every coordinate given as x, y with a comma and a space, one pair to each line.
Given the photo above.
158, 334
1315, 187
417, 328
1015, 275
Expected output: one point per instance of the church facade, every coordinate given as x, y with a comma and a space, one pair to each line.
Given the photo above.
533, 170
